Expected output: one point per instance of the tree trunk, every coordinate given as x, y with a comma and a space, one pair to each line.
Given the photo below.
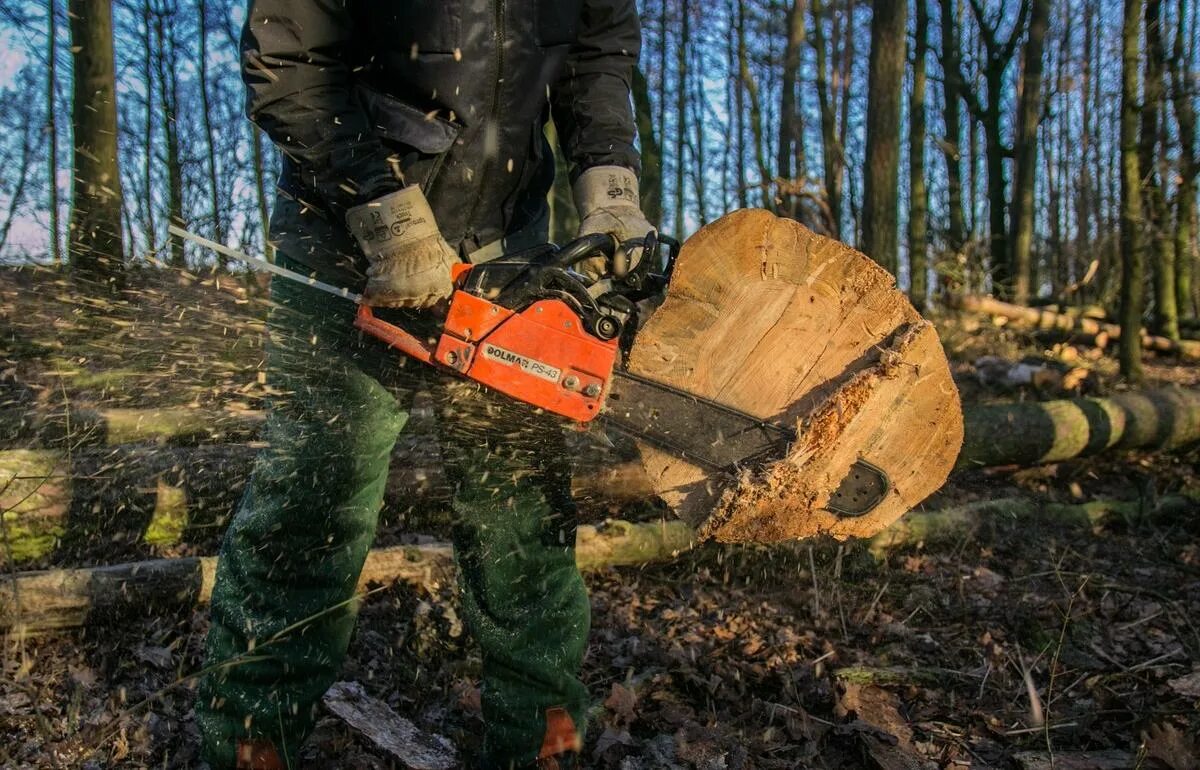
790, 140
651, 182
214, 186
951, 116
881, 186
831, 150
749, 287
52, 128
737, 44
1151, 157
756, 120
1182, 95
1025, 148
168, 98
260, 189
1132, 236
148, 204
96, 248
918, 215
681, 82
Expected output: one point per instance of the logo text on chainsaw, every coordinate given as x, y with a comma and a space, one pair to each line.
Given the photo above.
534, 367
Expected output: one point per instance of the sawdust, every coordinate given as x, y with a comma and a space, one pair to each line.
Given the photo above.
780, 502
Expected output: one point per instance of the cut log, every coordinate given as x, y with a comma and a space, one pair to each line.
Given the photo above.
769, 318
1043, 319
23, 428
1033, 433
69, 598
164, 495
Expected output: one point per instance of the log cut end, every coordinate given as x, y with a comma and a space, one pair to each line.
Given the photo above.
767, 317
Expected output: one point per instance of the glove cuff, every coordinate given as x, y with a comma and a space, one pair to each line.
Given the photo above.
392, 221
605, 187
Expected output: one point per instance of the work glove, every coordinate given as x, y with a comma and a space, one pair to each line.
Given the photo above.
608, 202
408, 260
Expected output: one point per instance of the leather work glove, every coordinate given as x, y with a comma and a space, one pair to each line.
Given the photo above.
408, 259
608, 202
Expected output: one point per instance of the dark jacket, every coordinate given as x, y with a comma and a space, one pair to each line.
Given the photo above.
455, 93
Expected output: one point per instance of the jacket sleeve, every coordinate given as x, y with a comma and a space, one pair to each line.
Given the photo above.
299, 90
591, 102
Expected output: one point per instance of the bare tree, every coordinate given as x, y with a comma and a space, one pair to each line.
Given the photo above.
96, 246
1132, 237
1025, 150
787, 164
998, 55
918, 214
881, 188
52, 128
1182, 66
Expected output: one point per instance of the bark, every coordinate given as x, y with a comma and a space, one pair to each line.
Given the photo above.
918, 215
1045, 319
96, 247
651, 181
50, 600
1029, 112
52, 128
1132, 236
884, 87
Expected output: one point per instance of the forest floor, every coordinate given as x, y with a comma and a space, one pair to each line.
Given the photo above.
1027, 647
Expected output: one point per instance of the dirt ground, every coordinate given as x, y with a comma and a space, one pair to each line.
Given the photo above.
1022, 646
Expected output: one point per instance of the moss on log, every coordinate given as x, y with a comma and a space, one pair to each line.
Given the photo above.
984, 518
23, 427
1033, 433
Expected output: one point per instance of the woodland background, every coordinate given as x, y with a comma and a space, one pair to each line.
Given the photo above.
968, 146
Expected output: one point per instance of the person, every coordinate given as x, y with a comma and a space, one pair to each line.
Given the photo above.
412, 137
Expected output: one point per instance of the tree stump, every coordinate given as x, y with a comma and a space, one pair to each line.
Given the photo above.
767, 317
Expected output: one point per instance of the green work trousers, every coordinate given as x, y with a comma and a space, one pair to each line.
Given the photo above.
283, 606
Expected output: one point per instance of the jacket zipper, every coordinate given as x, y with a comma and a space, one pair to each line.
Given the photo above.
493, 114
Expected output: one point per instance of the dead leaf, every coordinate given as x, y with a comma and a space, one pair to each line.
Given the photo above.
1166, 743
1075, 760
877, 707
621, 703
1188, 686
159, 657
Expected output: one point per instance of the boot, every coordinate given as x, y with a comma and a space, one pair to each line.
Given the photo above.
258, 755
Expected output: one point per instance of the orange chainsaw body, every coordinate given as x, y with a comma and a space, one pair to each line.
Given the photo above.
541, 355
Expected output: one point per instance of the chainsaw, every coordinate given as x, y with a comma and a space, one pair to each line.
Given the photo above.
528, 325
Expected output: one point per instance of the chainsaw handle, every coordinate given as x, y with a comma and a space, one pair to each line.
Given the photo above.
393, 335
